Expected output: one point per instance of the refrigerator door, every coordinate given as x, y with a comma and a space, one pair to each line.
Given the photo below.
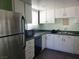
3, 24
14, 23
4, 48
16, 50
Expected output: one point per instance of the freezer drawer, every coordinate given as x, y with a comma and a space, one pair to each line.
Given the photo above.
16, 50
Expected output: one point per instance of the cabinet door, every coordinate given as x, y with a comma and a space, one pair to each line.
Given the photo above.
70, 11
67, 43
77, 14
50, 16
43, 42
42, 17
58, 42
59, 12
76, 44
28, 13
50, 41
19, 6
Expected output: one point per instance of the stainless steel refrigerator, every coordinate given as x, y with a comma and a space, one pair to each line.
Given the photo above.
12, 40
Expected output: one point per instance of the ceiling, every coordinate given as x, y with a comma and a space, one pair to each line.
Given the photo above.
40, 4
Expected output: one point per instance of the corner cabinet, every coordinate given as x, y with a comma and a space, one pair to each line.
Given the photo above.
29, 50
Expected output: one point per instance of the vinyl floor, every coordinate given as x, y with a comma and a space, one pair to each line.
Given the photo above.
51, 54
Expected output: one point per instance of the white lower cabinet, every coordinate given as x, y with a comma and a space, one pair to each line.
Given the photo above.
76, 44
68, 44
29, 50
63, 43
50, 41
54, 42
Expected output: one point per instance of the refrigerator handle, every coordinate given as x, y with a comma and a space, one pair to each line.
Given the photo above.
23, 29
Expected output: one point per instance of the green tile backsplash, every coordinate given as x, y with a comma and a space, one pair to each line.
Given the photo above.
73, 25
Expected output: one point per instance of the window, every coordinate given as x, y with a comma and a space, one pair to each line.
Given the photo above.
35, 17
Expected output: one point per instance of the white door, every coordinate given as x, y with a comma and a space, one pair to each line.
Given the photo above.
67, 43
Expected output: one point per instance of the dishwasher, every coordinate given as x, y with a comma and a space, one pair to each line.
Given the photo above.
38, 45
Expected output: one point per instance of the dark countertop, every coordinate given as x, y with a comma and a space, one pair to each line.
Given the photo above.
69, 33
40, 33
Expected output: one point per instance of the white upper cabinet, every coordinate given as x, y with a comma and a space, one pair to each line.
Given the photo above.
43, 17
18, 6
28, 13
59, 12
65, 12
47, 16
77, 14
50, 16
70, 11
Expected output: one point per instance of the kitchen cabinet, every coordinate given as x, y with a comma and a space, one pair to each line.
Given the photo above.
63, 43
68, 43
29, 50
65, 12
18, 6
43, 17
43, 42
50, 16
47, 16
59, 12
54, 42
77, 14
28, 13
50, 41
76, 44
70, 12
